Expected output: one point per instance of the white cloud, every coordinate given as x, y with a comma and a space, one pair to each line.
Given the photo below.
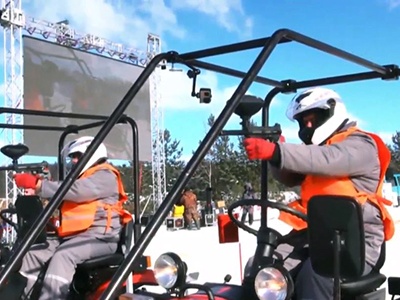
228, 13
107, 19
121, 22
393, 3
291, 134
129, 23
386, 137
162, 17
176, 87
360, 122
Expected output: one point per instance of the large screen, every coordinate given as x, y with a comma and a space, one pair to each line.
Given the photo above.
63, 79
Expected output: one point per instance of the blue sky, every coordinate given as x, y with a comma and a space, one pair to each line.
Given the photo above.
366, 28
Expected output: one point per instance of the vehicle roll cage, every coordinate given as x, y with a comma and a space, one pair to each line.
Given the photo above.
97, 120
190, 59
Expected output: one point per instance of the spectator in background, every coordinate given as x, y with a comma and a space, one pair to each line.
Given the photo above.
178, 211
248, 209
189, 201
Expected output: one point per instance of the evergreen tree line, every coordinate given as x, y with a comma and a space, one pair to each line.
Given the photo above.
225, 168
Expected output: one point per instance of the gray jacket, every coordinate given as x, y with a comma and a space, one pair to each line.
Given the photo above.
103, 187
355, 157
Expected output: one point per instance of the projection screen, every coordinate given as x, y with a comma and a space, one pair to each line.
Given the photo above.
62, 79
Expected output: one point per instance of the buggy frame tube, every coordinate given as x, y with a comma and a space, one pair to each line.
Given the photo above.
77, 128
313, 43
234, 73
135, 167
61, 142
72, 129
286, 35
56, 200
156, 221
264, 163
137, 229
231, 48
46, 113
262, 249
31, 127
268, 45
211, 136
291, 86
393, 73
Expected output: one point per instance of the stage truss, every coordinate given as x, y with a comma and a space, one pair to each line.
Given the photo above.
14, 23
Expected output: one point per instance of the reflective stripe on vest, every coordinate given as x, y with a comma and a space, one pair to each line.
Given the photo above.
78, 217
320, 185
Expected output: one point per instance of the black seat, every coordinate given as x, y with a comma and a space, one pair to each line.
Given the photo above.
114, 259
107, 260
92, 273
336, 238
363, 285
369, 282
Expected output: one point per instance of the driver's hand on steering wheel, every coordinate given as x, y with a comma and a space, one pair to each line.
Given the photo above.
257, 148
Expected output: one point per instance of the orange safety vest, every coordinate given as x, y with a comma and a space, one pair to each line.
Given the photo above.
78, 217
323, 185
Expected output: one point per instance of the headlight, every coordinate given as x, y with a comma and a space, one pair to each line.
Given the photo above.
271, 284
169, 270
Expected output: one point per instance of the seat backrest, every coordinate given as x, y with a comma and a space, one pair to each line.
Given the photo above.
126, 238
29, 207
336, 217
381, 260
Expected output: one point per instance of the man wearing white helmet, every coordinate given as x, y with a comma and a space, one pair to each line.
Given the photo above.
335, 158
91, 220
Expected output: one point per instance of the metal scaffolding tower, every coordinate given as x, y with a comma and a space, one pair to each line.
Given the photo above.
14, 23
157, 125
13, 20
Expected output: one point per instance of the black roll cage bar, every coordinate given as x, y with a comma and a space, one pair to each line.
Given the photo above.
97, 120
267, 45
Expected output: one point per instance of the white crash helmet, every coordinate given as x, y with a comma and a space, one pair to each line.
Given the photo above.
80, 145
314, 99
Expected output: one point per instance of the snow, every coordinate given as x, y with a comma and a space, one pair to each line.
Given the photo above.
202, 252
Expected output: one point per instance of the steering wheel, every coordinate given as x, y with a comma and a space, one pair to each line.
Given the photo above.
277, 205
11, 211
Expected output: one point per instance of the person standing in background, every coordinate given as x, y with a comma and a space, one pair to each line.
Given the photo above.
248, 209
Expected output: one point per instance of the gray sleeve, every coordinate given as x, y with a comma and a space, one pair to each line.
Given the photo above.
354, 156
101, 184
288, 178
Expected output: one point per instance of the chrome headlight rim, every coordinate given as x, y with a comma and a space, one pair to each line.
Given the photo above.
283, 272
177, 263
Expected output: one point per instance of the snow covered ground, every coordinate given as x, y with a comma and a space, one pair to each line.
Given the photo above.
203, 253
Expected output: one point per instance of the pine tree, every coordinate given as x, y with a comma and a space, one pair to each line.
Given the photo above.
173, 160
394, 167
216, 170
